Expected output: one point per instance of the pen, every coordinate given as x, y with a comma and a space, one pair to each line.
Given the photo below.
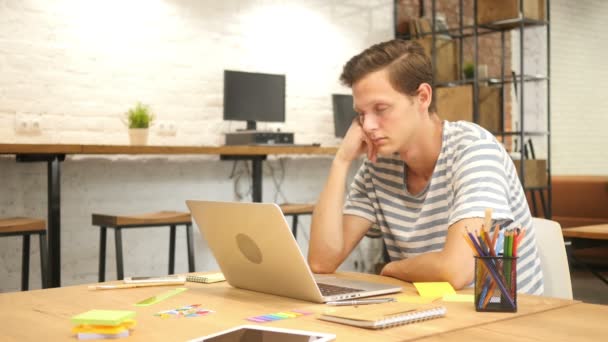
361, 301
130, 286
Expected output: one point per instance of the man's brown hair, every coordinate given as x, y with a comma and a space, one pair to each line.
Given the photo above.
407, 64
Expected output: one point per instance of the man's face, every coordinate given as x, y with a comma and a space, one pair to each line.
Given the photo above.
388, 117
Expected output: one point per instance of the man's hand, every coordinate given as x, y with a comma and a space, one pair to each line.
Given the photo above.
356, 142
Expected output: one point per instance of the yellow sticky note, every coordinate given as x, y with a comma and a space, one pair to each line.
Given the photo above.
414, 299
434, 289
463, 298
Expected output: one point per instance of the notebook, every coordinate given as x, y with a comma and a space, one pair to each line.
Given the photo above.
205, 278
255, 250
378, 316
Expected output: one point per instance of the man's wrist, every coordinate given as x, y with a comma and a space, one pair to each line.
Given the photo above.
341, 162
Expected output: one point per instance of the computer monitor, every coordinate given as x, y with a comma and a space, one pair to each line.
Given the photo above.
252, 97
343, 113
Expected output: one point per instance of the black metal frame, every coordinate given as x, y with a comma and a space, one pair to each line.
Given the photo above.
118, 247
53, 161
582, 243
477, 30
256, 174
25, 257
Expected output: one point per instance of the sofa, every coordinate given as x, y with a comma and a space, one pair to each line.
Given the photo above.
579, 200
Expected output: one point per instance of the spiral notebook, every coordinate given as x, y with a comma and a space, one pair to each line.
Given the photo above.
378, 316
207, 278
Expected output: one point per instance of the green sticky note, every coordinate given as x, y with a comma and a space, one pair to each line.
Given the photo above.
160, 297
463, 298
434, 289
103, 317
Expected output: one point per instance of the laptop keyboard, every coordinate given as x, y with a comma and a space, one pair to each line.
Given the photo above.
330, 290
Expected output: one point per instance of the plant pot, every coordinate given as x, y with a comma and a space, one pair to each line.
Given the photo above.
138, 136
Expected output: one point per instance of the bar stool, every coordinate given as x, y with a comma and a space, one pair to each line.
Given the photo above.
295, 210
156, 219
25, 227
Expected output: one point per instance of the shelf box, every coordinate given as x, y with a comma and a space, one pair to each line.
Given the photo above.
535, 170
490, 106
446, 68
489, 11
456, 103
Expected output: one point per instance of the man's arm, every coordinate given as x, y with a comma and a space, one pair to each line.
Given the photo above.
454, 264
333, 235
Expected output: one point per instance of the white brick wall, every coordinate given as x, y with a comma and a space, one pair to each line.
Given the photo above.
78, 66
579, 116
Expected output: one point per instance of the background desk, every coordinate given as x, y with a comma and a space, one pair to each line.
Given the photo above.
54, 154
588, 237
45, 315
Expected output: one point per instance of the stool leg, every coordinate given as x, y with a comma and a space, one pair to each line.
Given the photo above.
118, 242
172, 250
43, 264
190, 242
294, 226
102, 254
25, 263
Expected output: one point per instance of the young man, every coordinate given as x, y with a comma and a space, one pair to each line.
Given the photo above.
424, 181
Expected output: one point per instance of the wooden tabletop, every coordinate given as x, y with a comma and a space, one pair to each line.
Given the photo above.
580, 322
151, 149
596, 232
49, 311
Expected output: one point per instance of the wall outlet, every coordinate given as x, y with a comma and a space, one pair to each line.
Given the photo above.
166, 127
27, 124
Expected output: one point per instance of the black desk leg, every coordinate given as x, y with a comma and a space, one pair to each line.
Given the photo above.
54, 217
256, 178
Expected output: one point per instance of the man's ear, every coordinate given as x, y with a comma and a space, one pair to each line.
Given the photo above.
425, 95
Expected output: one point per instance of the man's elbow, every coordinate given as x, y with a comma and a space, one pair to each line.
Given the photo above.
320, 266
459, 279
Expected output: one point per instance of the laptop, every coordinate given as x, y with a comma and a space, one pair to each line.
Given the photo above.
255, 249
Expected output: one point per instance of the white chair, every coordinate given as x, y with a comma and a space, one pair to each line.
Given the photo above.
553, 259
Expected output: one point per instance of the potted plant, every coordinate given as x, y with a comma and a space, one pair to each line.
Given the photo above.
139, 119
468, 70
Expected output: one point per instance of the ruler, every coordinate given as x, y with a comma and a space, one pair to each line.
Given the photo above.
161, 297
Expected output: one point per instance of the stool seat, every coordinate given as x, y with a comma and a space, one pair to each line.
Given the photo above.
23, 226
295, 210
147, 220
156, 218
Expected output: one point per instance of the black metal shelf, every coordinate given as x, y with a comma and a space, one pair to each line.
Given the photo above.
494, 80
501, 27
509, 24
525, 133
468, 31
532, 188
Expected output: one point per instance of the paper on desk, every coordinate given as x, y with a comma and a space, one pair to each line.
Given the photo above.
434, 289
462, 298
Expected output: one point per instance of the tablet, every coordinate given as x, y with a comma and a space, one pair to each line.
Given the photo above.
256, 333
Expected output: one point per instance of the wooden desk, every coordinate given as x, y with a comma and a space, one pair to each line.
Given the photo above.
54, 154
578, 322
588, 237
595, 232
45, 314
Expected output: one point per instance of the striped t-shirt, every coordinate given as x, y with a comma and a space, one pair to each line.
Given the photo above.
473, 172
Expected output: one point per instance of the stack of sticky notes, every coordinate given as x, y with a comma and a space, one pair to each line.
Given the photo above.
100, 324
